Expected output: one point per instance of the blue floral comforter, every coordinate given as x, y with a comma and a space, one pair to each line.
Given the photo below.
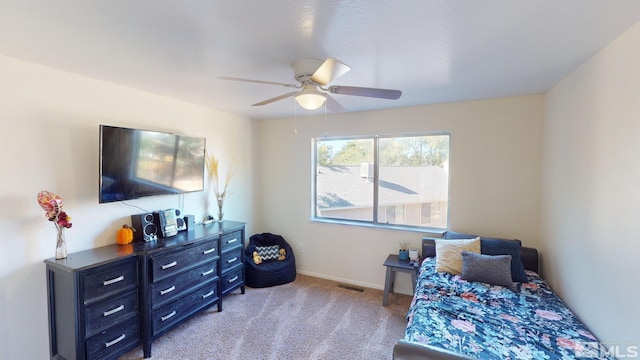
493, 322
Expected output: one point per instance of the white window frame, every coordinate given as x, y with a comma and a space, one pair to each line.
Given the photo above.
374, 222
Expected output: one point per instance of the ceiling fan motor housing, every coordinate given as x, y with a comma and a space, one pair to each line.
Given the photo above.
303, 69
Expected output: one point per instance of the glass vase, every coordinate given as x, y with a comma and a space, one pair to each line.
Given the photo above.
220, 213
61, 245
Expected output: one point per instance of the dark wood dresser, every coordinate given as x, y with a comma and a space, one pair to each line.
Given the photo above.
103, 302
231, 262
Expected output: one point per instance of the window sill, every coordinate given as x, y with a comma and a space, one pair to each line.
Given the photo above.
422, 230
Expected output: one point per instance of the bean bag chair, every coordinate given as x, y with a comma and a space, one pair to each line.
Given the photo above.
269, 261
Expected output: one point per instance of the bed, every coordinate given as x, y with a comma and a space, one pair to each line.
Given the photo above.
454, 318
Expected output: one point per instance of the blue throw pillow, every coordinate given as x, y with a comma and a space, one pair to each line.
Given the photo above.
490, 269
490, 246
495, 246
457, 235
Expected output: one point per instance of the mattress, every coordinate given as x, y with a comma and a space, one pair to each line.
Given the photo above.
494, 322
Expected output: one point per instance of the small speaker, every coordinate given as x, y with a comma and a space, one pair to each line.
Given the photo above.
145, 226
190, 222
180, 222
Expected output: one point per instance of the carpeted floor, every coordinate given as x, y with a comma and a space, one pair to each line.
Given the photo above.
310, 318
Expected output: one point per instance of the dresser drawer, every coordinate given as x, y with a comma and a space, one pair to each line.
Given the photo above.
107, 313
231, 280
170, 288
110, 279
113, 340
231, 260
167, 265
231, 240
176, 311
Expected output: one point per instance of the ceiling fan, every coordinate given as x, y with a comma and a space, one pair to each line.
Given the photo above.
312, 74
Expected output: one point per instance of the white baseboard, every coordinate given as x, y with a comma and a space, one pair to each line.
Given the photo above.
397, 289
341, 280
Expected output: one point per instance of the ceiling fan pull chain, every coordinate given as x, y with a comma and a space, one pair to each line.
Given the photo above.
325, 119
295, 117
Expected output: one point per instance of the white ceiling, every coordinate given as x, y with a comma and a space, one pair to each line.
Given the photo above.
433, 50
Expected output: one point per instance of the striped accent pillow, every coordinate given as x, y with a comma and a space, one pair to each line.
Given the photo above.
268, 253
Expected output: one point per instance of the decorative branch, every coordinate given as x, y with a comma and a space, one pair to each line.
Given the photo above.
213, 167
404, 245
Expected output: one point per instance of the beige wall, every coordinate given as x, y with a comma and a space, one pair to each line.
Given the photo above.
50, 142
591, 190
495, 181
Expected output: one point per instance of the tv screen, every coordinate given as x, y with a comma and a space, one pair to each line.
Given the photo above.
137, 163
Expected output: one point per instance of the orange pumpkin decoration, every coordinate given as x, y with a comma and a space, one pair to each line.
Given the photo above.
124, 236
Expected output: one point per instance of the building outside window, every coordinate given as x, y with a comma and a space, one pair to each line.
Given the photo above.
383, 180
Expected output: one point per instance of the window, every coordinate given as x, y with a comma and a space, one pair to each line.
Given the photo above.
384, 180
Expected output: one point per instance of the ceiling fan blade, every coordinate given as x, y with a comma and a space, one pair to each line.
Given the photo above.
333, 105
363, 91
269, 101
328, 71
258, 81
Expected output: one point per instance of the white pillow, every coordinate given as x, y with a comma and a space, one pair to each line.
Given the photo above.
449, 253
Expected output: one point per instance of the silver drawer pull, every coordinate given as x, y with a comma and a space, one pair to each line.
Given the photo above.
206, 252
233, 279
208, 294
168, 290
169, 265
168, 316
113, 311
207, 272
115, 341
112, 281
232, 260
232, 241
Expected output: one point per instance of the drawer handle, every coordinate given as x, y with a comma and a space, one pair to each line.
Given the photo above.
169, 265
232, 260
113, 311
232, 241
168, 316
112, 281
233, 279
168, 290
208, 294
206, 252
115, 341
207, 272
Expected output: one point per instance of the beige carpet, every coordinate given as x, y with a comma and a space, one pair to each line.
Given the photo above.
310, 318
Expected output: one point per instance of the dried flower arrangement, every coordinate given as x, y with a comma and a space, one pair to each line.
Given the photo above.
213, 167
52, 205
404, 245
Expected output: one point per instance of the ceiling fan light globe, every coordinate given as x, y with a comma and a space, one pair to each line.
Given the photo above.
310, 101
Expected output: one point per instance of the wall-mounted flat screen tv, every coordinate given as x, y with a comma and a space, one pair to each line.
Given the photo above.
136, 163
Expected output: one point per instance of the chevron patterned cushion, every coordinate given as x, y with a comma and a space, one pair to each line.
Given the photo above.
268, 253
